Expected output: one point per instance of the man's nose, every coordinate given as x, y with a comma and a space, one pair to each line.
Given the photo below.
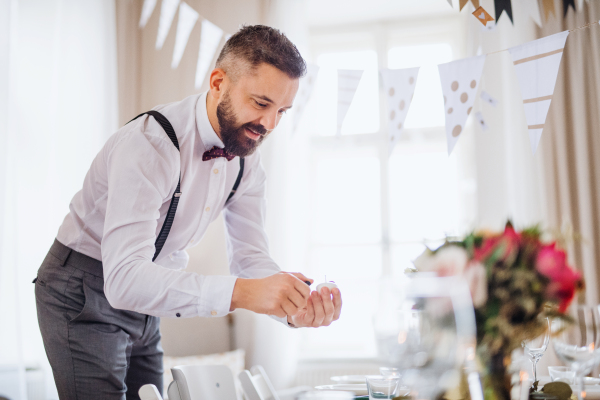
269, 120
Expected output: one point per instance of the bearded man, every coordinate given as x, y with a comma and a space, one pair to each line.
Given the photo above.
117, 263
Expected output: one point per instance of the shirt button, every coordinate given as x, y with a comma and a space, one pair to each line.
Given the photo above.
213, 313
216, 171
178, 315
207, 209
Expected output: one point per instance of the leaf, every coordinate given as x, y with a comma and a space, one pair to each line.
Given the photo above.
560, 390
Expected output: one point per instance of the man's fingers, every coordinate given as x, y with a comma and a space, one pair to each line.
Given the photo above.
337, 303
327, 306
289, 308
302, 277
296, 297
319, 310
310, 312
302, 288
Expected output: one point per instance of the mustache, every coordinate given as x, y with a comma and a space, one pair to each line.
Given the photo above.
256, 128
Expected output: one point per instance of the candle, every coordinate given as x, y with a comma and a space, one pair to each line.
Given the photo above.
331, 285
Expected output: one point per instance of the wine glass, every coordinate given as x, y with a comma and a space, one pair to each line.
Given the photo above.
536, 348
576, 343
435, 335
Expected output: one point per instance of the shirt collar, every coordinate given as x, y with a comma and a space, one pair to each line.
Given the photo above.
208, 136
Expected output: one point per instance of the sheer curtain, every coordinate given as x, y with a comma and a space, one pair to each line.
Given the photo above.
58, 105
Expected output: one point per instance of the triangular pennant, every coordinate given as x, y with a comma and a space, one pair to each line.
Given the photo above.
566, 4
210, 37
482, 16
548, 6
348, 80
187, 19
399, 87
537, 64
450, 2
460, 80
307, 84
532, 8
168, 8
147, 10
463, 3
503, 5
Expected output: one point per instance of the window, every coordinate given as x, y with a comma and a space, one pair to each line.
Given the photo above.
371, 214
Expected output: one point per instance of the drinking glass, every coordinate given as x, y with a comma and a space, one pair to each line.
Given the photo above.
536, 348
383, 387
435, 335
576, 343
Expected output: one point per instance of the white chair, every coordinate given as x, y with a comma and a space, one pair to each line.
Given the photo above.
256, 384
149, 392
193, 382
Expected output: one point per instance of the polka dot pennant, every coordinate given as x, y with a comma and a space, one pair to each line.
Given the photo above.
307, 84
348, 80
399, 87
460, 80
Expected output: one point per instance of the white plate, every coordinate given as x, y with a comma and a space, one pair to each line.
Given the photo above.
349, 379
358, 389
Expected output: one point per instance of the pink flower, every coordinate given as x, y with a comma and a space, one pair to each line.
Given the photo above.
510, 240
564, 281
476, 278
448, 261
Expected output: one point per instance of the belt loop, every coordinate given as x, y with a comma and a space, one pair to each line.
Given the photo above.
66, 256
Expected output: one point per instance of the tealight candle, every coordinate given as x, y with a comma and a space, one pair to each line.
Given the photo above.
331, 285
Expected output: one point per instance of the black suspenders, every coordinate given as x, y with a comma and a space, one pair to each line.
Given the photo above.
166, 228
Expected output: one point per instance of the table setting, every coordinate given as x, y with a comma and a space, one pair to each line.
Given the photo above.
467, 308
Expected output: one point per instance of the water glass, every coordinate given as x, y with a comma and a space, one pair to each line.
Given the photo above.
383, 387
561, 374
536, 348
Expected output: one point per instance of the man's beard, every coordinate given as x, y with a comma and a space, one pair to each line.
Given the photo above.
233, 135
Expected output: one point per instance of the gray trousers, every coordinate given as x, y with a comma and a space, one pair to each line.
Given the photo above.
95, 350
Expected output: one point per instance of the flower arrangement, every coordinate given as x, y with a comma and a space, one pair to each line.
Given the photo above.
516, 281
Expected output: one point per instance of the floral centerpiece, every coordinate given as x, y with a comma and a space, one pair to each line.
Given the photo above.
516, 281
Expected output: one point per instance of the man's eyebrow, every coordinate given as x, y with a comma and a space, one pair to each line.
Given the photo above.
268, 100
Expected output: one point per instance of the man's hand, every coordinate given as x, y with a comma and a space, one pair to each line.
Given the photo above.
321, 309
280, 294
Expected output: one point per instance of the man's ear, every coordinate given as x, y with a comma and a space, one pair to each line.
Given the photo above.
217, 82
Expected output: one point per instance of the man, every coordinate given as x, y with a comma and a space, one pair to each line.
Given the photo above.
107, 278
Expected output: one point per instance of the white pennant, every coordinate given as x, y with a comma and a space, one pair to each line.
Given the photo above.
348, 80
147, 10
532, 8
307, 84
187, 19
537, 64
399, 87
460, 80
168, 8
209, 42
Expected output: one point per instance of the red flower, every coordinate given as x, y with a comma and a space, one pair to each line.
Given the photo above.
552, 263
509, 240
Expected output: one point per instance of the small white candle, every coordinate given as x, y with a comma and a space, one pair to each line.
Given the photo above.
330, 285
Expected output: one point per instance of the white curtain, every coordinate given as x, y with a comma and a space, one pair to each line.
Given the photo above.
58, 105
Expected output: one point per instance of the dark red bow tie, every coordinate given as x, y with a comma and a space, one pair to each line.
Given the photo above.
216, 152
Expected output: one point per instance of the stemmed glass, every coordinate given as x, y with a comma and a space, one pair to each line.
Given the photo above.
576, 343
536, 348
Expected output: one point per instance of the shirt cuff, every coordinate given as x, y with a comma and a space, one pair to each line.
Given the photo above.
216, 295
283, 320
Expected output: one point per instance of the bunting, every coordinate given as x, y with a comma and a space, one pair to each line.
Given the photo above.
537, 64
210, 37
503, 5
147, 10
566, 4
548, 6
187, 19
348, 80
307, 84
399, 87
168, 9
482, 16
460, 80
463, 3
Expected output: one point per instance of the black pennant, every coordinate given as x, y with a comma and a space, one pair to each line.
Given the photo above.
566, 4
505, 5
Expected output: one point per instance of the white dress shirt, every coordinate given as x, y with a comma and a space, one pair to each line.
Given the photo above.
126, 193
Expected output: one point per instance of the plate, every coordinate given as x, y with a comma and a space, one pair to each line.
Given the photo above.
359, 389
349, 379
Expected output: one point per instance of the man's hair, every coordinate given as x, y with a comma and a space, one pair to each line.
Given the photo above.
253, 45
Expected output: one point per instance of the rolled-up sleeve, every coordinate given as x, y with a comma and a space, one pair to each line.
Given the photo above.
142, 174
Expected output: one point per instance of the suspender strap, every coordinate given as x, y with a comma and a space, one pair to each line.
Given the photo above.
237, 181
166, 228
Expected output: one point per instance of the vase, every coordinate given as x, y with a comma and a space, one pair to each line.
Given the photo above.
497, 380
